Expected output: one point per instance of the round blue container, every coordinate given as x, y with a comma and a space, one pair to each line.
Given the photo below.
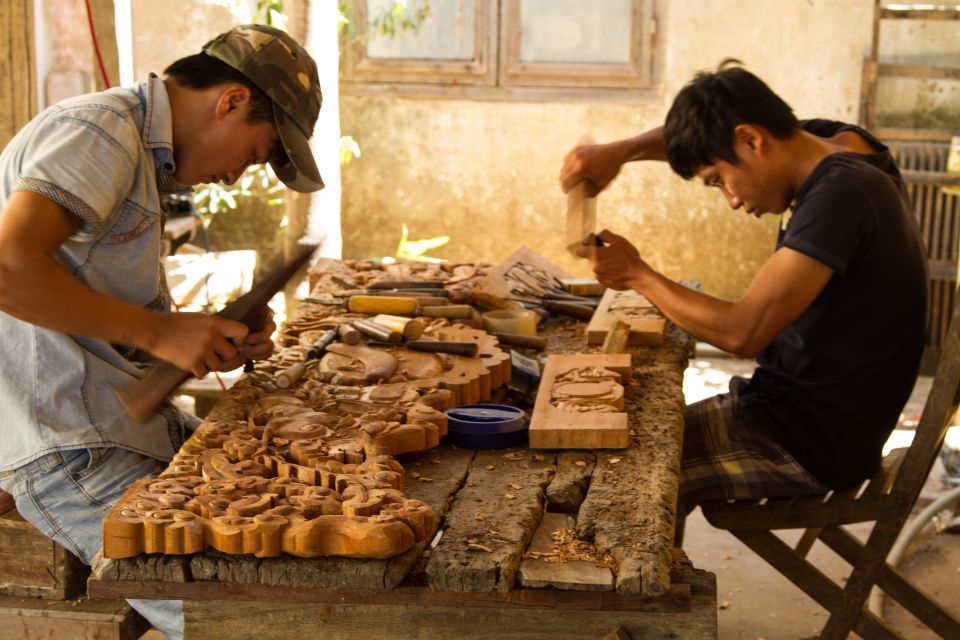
486, 426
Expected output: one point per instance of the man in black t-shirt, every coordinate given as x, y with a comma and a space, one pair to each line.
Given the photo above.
835, 317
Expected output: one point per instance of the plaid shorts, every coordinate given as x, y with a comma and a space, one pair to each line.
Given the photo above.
727, 457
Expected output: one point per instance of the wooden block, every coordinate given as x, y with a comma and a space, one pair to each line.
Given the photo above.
647, 324
543, 569
32, 565
581, 214
583, 286
32, 619
617, 337
580, 403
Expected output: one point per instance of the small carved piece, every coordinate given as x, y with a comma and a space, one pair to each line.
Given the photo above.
646, 323
579, 403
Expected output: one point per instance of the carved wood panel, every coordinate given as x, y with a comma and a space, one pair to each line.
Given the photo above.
580, 403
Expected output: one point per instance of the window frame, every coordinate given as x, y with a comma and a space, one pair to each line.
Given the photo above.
480, 70
635, 74
493, 75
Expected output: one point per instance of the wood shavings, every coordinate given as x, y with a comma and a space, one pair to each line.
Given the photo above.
513, 455
489, 467
580, 463
480, 515
567, 548
514, 485
475, 546
509, 496
424, 479
538, 457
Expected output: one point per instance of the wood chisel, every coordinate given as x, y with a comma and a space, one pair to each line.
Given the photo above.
292, 374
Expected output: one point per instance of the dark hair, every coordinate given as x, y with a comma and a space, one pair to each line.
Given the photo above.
201, 71
699, 126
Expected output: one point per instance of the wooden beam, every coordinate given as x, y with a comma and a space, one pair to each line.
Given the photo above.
889, 13
18, 85
924, 72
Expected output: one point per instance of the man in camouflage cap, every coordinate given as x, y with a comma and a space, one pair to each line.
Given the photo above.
279, 66
82, 287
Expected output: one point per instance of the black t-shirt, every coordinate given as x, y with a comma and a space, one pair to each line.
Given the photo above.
833, 383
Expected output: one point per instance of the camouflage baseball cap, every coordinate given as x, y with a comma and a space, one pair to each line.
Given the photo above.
283, 69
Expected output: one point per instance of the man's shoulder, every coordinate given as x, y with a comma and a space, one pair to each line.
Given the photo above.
116, 116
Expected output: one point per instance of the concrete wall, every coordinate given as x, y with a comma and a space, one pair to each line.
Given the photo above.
485, 172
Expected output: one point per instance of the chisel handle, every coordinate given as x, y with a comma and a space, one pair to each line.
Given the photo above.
468, 349
520, 340
140, 399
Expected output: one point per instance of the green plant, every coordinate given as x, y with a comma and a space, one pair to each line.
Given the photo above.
257, 181
268, 12
416, 249
402, 15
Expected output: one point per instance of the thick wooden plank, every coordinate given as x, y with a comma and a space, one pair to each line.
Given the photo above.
629, 511
491, 522
33, 619
214, 620
569, 486
32, 565
647, 324
677, 599
580, 403
547, 569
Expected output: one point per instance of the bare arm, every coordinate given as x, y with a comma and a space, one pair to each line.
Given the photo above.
787, 283
600, 163
35, 288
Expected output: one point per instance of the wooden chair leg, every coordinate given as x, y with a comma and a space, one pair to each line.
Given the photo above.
811, 580
866, 570
678, 530
806, 541
896, 586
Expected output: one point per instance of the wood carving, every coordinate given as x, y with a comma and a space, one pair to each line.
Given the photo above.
331, 278
580, 403
646, 323
309, 470
525, 274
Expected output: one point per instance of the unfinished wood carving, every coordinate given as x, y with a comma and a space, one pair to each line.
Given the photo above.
309, 470
580, 403
646, 322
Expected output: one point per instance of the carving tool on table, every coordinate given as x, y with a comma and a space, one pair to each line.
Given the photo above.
377, 331
143, 396
519, 340
466, 349
292, 374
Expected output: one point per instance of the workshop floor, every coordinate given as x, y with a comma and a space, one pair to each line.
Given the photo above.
756, 602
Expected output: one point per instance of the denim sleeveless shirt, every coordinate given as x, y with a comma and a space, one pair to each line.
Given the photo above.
106, 157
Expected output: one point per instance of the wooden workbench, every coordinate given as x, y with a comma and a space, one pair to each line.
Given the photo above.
465, 584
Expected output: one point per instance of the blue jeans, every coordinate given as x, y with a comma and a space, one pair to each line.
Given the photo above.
67, 494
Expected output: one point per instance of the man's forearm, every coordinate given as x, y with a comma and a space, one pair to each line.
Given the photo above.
702, 316
646, 146
40, 291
